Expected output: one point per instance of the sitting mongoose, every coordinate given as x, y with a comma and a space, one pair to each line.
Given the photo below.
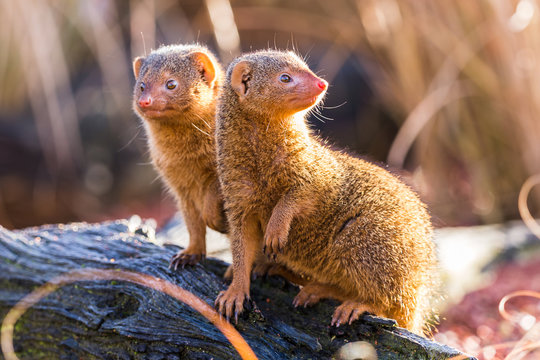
175, 96
357, 232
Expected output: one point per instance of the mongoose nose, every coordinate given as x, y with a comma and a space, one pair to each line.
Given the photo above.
145, 101
322, 84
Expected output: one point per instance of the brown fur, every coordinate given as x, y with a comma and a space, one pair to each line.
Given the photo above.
180, 129
361, 236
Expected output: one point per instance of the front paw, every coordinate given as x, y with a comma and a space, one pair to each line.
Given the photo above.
231, 302
185, 257
275, 239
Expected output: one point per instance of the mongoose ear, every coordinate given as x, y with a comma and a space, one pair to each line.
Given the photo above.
207, 67
240, 78
137, 63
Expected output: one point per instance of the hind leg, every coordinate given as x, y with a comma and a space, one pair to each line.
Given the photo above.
273, 269
347, 312
312, 292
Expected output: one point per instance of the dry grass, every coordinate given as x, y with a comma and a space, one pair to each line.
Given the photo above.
459, 78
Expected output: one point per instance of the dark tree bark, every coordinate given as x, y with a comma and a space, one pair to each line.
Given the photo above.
121, 320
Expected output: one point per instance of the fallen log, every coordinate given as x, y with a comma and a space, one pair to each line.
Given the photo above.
114, 319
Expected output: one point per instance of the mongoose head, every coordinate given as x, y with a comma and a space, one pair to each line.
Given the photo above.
173, 79
274, 82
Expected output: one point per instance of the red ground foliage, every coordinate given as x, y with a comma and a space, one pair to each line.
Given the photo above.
476, 326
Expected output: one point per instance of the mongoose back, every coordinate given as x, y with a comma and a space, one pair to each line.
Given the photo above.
357, 232
175, 96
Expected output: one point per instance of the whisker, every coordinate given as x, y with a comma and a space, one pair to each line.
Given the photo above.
326, 117
155, 179
132, 139
204, 132
144, 163
315, 115
318, 112
334, 107
306, 56
144, 44
204, 121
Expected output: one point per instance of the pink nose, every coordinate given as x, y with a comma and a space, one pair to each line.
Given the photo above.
145, 101
322, 84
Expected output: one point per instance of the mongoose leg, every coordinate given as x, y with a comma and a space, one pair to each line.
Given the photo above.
264, 267
350, 311
272, 269
213, 212
277, 230
244, 245
196, 249
312, 292
228, 273
261, 267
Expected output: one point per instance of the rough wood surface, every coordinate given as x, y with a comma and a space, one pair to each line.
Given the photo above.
120, 320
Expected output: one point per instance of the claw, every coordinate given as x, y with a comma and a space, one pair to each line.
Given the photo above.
183, 258
348, 312
217, 299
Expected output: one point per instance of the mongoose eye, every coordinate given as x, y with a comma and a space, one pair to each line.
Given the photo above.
143, 86
285, 78
171, 84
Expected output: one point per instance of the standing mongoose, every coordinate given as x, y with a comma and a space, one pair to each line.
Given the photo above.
175, 96
357, 232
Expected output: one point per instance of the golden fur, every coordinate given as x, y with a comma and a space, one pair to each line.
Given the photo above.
357, 232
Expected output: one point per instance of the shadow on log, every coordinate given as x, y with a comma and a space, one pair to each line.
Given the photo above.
120, 320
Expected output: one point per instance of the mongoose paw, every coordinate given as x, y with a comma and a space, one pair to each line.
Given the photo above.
275, 239
348, 312
232, 301
183, 258
306, 298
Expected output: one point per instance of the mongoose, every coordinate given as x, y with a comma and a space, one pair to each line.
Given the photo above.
357, 232
175, 96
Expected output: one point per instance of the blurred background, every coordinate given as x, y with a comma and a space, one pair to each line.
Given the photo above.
446, 91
